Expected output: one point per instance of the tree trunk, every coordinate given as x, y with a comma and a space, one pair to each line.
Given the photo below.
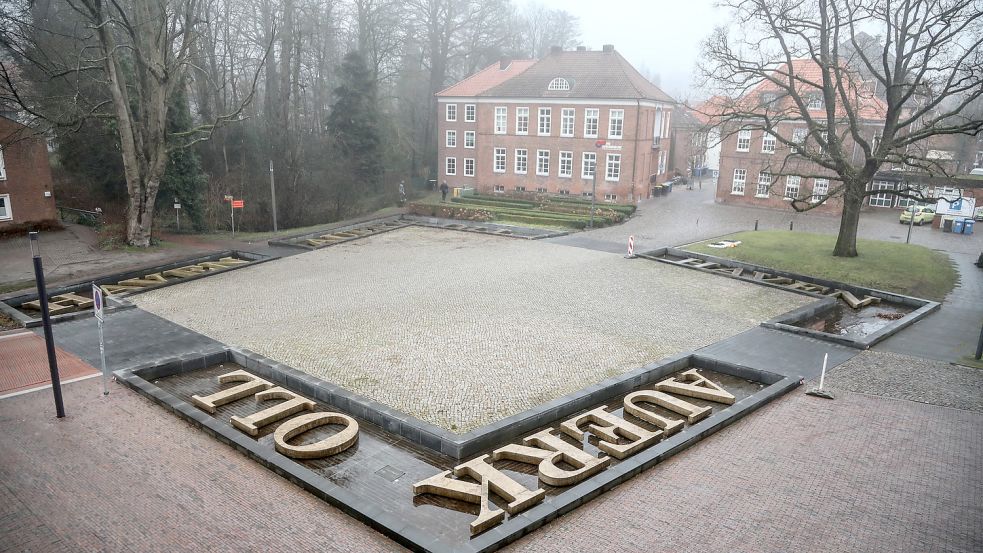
846, 240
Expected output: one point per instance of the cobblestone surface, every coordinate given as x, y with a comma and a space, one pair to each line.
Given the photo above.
911, 378
859, 474
459, 329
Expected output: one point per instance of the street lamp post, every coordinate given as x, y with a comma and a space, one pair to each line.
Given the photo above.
49, 340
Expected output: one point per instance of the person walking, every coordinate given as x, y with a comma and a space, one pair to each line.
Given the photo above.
443, 191
402, 192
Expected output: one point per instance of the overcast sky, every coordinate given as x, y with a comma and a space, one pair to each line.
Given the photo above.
659, 37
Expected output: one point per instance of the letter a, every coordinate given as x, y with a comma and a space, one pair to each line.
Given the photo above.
694, 384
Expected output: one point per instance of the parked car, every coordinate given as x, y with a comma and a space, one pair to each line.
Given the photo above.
923, 214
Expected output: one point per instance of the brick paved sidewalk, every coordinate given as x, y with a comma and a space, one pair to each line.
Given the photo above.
860, 473
24, 363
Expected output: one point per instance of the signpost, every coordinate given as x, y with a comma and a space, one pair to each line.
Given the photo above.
97, 310
273, 195
177, 211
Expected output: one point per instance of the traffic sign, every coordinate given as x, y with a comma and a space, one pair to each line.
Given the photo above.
238, 203
97, 302
611, 147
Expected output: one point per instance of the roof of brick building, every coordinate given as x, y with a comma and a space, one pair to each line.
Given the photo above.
587, 74
487, 78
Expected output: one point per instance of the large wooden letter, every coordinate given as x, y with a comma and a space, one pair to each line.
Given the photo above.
323, 448
693, 384
693, 413
294, 404
611, 426
491, 479
251, 385
550, 450
632, 407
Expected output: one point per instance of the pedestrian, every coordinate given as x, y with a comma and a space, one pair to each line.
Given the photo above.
402, 192
443, 191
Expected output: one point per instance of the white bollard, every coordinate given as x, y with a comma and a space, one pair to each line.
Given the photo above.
631, 248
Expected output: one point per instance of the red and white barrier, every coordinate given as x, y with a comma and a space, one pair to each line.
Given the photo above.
631, 247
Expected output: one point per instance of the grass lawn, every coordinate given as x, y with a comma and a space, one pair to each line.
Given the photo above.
902, 268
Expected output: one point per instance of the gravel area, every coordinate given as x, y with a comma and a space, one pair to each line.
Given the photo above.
460, 329
911, 378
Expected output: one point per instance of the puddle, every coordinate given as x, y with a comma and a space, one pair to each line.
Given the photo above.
844, 321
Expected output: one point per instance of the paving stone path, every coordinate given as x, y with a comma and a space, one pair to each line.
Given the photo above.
460, 329
912, 378
861, 473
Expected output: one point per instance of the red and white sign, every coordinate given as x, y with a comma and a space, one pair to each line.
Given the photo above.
238, 203
631, 246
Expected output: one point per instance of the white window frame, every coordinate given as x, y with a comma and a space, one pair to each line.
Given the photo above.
568, 118
905, 202
610, 197
450, 139
881, 200
667, 122
3, 166
771, 181
768, 143
612, 168
450, 112
559, 83
501, 119
616, 123
976, 164
799, 138
744, 140
565, 167
522, 120
500, 158
821, 185
663, 158
815, 102
792, 183
469, 138
9, 215
470, 113
545, 120
450, 166
543, 162
469, 167
659, 124
588, 164
524, 158
592, 118
736, 190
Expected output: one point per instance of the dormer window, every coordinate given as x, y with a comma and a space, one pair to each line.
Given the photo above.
559, 83
815, 102
768, 98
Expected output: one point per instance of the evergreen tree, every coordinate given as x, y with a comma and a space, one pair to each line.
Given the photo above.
183, 179
354, 126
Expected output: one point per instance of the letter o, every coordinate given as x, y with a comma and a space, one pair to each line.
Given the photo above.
323, 448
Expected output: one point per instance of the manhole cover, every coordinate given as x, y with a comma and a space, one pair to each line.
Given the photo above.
390, 473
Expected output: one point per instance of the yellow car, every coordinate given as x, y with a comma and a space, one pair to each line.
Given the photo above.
923, 214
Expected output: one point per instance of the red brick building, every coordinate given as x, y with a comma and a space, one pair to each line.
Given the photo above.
25, 177
539, 127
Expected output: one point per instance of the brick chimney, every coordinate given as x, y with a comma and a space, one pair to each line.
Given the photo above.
581, 48
608, 48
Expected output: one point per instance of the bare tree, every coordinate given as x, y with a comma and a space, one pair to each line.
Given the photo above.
864, 103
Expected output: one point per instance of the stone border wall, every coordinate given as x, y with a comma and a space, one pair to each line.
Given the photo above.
922, 307
117, 302
140, 378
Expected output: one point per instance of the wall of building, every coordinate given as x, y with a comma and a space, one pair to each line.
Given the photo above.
638, 151
27, 178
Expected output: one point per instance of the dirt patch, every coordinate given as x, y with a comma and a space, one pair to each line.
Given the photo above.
6, 323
